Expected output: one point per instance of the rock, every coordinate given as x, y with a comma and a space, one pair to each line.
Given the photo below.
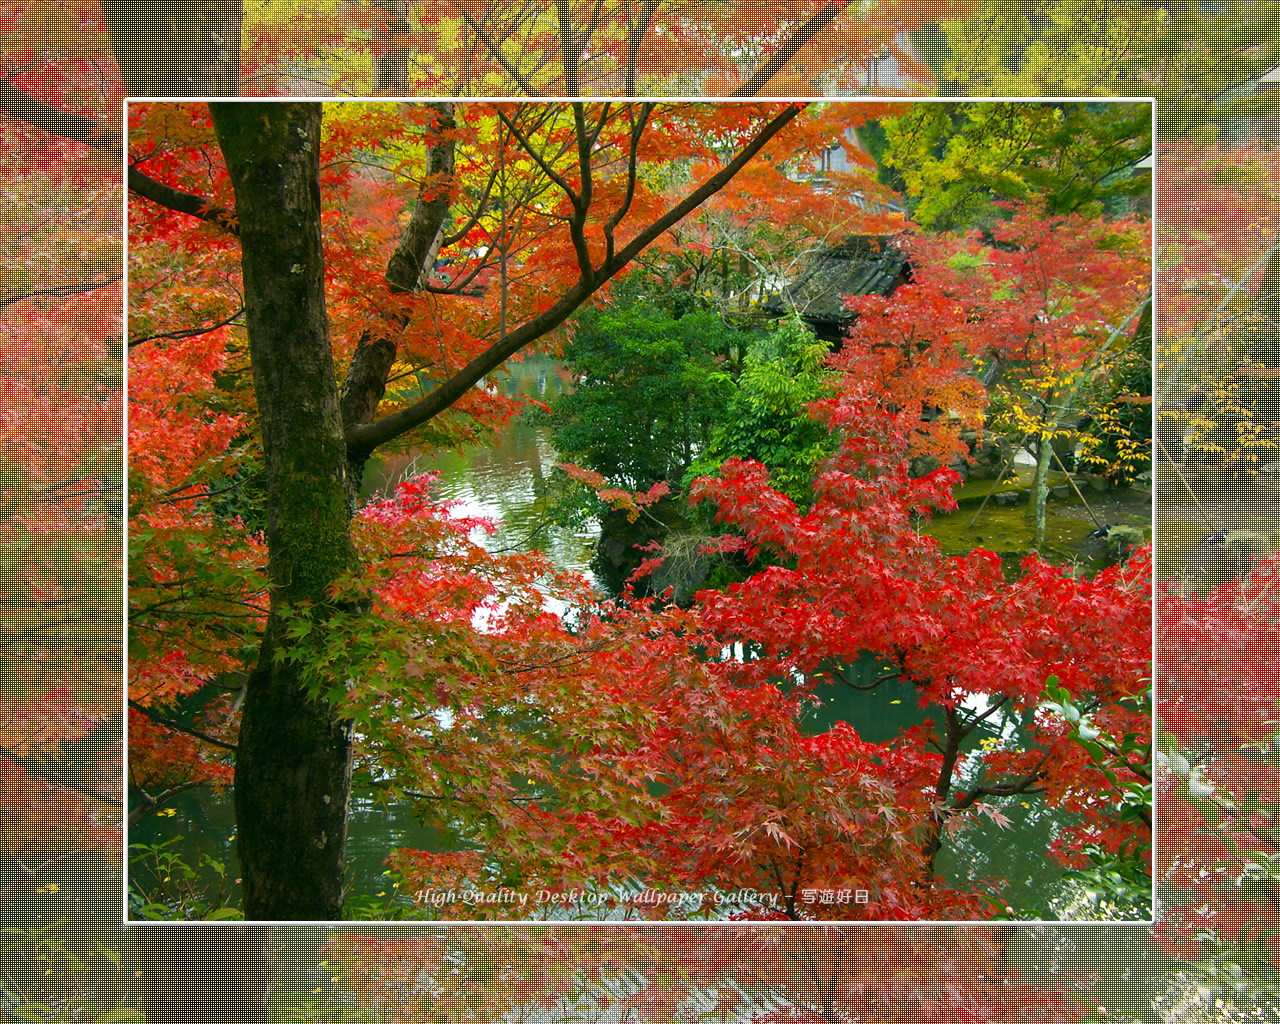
1246, 547
622, 536
989, 457
922, 465
1121, 540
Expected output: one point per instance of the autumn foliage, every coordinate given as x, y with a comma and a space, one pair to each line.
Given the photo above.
601, 751
1218, 654
598, 49
813, 975
617, 752
59, 508
61, 488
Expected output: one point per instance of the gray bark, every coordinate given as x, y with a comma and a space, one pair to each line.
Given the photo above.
168, 49
204, 973
293, 769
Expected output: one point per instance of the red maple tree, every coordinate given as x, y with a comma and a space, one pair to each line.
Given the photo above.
610, 750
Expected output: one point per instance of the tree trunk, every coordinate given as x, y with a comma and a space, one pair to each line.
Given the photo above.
932, 844
1040, 485
204, 973
293, 766
1266, 349
414, 256
392, 58
168, 49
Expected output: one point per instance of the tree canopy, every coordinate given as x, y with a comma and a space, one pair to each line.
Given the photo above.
61, 365
605, 750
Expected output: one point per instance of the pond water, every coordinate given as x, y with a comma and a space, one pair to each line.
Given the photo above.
500, 481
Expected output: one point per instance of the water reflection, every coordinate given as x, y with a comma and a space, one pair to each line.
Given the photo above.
501, 481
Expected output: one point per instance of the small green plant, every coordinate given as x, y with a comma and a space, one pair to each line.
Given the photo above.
42, 979
164, 887
387, 905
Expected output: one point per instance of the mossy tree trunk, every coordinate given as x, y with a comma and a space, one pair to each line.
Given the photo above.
293, 771
204, 973
1040, 484
168, 49
293, 766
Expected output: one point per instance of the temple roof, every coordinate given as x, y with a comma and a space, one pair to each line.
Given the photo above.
860, 265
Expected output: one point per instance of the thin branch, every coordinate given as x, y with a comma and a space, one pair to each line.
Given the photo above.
61, 291
886, 677
637, 129
482, 207
143, 709
181, 202
496, 51
191, 332
538, 158
1022, 785
459, 285
201, 495
39, 767
367, 437
996, 706
152, 803
576, 657
802, 36
55, 121
30, 875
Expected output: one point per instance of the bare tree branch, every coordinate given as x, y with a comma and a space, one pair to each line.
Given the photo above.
637, 129
802, 36
495, 50
191, 332
55, 121
364, 438
41, 768
61, 291
168, 724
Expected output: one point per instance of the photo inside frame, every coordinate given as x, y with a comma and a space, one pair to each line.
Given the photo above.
682, 511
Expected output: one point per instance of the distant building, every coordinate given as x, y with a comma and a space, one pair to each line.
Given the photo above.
860, 265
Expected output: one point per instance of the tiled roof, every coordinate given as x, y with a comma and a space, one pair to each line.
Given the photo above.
860, 265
